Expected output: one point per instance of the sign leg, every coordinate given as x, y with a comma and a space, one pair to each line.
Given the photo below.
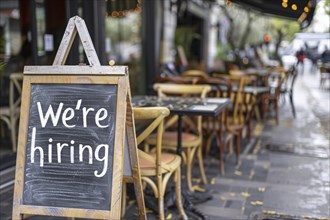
133, 155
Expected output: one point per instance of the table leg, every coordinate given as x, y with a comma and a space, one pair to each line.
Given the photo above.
221, 144
256, 107
187, 196
179, 147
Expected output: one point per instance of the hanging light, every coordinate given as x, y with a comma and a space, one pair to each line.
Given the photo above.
120, 8
294, 7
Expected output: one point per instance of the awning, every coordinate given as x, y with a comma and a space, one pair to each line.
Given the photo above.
299, 10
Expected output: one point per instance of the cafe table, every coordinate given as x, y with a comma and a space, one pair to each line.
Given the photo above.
184, 106
255, 91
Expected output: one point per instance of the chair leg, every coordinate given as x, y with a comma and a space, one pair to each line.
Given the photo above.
257, 113
238, 147
123, 200
208, 143
264, 110
249, 128
161, 211
13, 134
222, 159
292, 105
190, 155
276, 111
231, 146
178, 193
201, 164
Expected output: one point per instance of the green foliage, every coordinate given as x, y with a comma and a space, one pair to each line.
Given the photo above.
326, 7
288, 28
259, 25
222, 51
121, 29
184, 37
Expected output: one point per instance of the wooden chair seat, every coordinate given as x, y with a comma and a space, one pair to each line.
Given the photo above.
171, 138
169, 162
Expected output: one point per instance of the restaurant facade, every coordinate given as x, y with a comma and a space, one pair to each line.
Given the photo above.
142, 34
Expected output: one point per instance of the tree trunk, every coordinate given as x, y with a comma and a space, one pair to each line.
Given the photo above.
230, 39
277, 45
247, 30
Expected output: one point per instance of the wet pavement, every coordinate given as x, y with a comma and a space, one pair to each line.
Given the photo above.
283, 174
286, 173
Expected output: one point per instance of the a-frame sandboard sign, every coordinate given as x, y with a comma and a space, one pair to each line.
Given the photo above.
75, 123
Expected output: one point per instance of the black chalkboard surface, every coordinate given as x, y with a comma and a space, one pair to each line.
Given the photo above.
70, 145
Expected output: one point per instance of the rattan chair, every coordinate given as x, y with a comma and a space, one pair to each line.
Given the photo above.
192, 138
222, 88
271, 99
238, 121
10, 114
156, 168
287, 88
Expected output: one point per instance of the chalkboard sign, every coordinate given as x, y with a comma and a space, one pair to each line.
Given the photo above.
70, 146
71, 141
76, 130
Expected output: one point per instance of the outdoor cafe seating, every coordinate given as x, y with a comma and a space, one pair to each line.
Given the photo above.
157, 164
287, 88
245, 99
236, 122
192, 138
10, 113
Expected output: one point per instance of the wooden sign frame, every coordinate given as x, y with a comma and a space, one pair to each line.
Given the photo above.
92, 74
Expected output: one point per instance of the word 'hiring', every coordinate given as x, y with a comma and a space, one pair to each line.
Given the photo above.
66, 115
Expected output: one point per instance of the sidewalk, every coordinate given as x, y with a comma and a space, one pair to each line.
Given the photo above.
284, 175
